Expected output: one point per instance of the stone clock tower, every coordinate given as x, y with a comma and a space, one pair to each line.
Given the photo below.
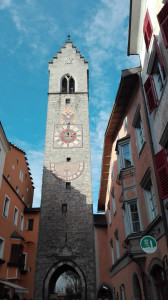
65, 255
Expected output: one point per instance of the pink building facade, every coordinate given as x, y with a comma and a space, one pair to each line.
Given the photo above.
130, 198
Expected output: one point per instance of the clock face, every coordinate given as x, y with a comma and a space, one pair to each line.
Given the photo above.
67, 136
67, 171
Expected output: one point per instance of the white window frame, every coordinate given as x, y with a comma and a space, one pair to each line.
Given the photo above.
113, 201
112, 172
21, 222
154, 69
125, 124
109, 213
150, 199
15, 216
158, 77
128, 222
2, 244
151, 203
139, 130
21, 175
120, 154
112, 252
117, 245
6, 208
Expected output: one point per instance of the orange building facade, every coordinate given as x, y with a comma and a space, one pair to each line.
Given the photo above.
130, 198
18, 227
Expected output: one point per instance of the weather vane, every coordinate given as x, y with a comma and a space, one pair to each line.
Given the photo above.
68, 35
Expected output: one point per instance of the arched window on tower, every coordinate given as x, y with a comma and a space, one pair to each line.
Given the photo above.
64, 85
68, 84
71, 85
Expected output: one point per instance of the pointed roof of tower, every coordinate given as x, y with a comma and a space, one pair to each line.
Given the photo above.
67, 42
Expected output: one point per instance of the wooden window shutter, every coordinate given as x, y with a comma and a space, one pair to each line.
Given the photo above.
151, 94
15, 255
159, 57
163, 22
147, 29
162, 172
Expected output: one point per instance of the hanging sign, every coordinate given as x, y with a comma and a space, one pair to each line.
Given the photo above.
148, 244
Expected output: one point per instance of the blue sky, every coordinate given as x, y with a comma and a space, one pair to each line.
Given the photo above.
32, 31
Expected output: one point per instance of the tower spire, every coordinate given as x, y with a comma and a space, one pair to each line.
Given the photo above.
68, 36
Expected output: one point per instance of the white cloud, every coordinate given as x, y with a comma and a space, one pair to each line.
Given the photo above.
5, 4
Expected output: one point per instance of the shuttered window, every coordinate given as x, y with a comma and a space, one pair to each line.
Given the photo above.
163, 22
159, 58
162, 172
147, 30
15, 256
150, 92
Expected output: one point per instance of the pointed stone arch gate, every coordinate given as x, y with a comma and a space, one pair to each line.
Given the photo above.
56, 271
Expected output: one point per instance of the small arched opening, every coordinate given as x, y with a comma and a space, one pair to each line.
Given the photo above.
159, 284
122, 292
137, 295
105, 292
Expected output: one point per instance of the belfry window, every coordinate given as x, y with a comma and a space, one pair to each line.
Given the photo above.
71, 85
68, 84
64, 85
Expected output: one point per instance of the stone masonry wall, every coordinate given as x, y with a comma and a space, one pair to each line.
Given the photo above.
66, 236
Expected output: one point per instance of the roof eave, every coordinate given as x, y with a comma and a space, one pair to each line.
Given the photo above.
130, 78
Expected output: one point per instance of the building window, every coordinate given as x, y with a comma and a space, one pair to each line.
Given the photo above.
154, 84
124, 153
109, 213
17, 190
1, 247
15, 255
67, 101
6, 207
112, 251
161, 163
146, 184
117, 244
131, 217
21, 175
30, 223
68, 185
139, 131
15, 217
21, 222
125, 124
113, 200
68, 84
163, 22
147, 30
68, 158
23, 261
22, 198
122, 292
8, 178
64, 208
